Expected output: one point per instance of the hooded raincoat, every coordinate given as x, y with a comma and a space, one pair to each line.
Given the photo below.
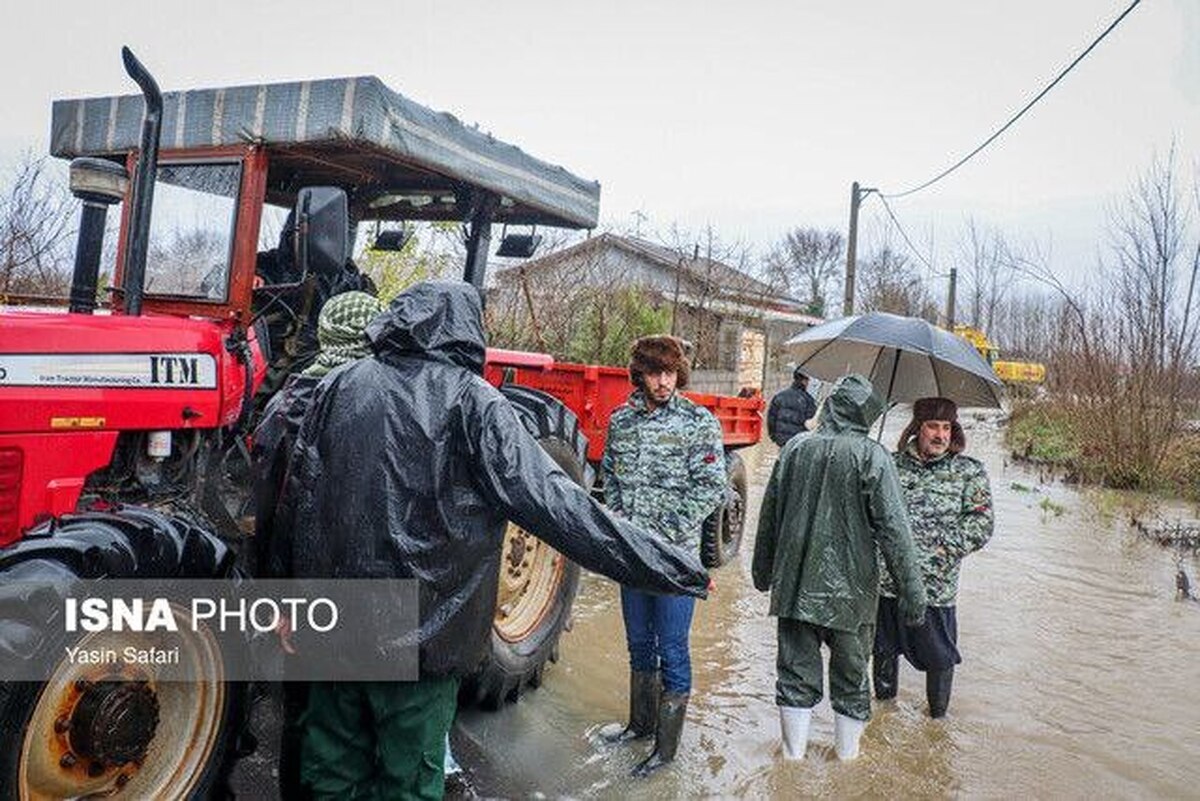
833, 498
408, 465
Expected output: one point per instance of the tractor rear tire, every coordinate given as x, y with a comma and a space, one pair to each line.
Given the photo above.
537, 584
205, 717
721, 537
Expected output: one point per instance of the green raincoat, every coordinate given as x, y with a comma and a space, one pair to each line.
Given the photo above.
833, 498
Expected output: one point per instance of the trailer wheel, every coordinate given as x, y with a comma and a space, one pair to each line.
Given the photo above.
537, 584
96, 730
722, 533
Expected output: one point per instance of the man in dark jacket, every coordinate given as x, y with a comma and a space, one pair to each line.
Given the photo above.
833, 498
408, 465
341, 335
790, 409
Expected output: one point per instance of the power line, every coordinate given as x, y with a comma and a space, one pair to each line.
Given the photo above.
900, 228
1020, 113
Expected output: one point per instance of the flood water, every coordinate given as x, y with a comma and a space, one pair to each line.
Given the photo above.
1080, 678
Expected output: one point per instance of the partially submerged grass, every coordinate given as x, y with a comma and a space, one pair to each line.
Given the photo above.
1049, 507
1058, 436
1040, 434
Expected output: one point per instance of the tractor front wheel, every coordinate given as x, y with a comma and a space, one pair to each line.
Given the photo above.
98, 730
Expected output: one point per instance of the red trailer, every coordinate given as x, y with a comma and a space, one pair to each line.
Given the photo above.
593, 392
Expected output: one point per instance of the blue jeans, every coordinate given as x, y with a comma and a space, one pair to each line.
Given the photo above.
656, 630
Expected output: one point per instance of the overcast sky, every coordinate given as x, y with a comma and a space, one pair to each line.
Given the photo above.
751, 116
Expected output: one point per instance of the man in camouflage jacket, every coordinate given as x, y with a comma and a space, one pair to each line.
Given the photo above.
664, 469
949, 505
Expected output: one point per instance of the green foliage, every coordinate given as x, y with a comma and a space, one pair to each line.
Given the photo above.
1061, 435
395, 271
1042, 433
611, 322
1049, 507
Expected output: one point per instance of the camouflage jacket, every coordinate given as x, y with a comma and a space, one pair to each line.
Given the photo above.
949, 505
664, 469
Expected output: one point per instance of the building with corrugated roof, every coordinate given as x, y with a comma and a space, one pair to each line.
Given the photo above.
735, 320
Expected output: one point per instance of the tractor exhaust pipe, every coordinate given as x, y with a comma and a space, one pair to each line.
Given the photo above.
134, 269
99, 184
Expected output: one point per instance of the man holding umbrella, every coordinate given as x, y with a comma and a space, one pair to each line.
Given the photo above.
949, 505
946, 494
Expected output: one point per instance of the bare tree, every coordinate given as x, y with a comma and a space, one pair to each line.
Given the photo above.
1026, 324
710, 273
36, 216
1150, 257
888, 282
188, 261
1122, 357
990, 272
583, 306
805, 262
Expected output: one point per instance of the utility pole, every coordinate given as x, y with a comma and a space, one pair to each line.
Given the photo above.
951, 298
856, 195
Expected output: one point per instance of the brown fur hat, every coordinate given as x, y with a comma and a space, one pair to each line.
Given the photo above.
927, 409
656, 354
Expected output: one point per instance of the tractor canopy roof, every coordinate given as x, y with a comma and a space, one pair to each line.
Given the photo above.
397, 159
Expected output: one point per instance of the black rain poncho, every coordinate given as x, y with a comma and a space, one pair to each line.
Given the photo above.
408, 464
832, 498
273, 441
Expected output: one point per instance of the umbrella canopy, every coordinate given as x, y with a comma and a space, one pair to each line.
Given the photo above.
905, 358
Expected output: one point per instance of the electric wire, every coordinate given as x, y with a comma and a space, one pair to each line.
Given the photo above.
933, 273
1021, 113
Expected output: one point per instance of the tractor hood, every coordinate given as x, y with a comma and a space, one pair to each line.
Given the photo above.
113, 372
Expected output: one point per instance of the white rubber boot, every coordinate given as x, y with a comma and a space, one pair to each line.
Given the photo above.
794, 722
846, 733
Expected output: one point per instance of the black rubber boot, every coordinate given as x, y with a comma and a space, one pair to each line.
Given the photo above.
886, 673
643, 709
937, 691
671, 713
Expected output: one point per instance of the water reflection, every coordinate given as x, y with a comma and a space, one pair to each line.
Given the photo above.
1079, 678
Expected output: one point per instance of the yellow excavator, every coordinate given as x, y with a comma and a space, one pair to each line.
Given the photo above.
1008, 372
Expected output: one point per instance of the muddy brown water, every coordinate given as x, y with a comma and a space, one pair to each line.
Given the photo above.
1080, 678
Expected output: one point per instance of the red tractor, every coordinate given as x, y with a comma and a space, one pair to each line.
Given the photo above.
124, 429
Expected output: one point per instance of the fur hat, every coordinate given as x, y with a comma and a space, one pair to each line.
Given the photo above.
927, 409
657, 354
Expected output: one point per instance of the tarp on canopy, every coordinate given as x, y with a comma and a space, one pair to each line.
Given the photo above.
311, 119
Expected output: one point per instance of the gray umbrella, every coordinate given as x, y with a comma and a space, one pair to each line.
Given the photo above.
905, 358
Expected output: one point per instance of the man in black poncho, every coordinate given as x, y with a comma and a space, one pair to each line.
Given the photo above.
408, 465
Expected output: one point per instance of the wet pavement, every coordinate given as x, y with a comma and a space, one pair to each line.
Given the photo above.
1079, 678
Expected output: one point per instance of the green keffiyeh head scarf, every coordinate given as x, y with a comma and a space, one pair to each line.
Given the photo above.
341, 330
